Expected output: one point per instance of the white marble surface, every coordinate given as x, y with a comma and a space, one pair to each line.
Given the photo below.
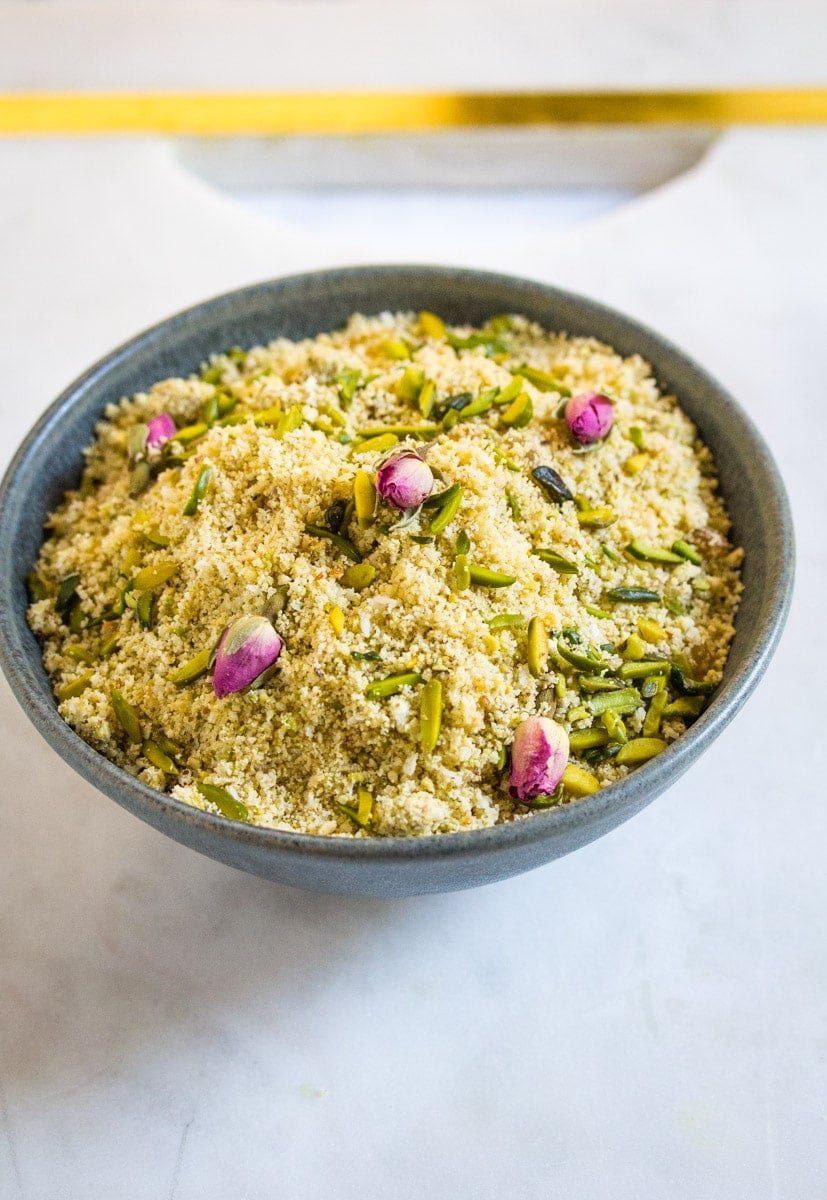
643, 1019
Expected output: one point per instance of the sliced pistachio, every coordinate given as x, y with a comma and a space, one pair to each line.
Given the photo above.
599, 613
491, 343
513, 505
597, 518
650, 630
37, 589
478, 407
463, 542
224, 801
510, 392
289, 421
613, 724
462, 573
655, 554
66, 594
341, 543
334, 516
153, 753
155, 537
380, 688
365, 656
689, 687
543, 381
537, 647
599, 683
685, 706
688, 552
349, 381
552, 484
427, 398
75, 688
654, 714
448, 509
364, 498
587, 739
199, 491
376, 445
337, 620
674, 606
268, 416
639, 750
519, 412
431, 325
578, 781
627, 700
396, 349
410, 385
155, 576
191, 433
560, 564
194, 669
359, 576
424, 432
507, 621
636, 463
127, 717
642, 670
170, 748
633, 595
209, 412
79, 654
430, 715
145, 610
486, 577
635, 436
583, 662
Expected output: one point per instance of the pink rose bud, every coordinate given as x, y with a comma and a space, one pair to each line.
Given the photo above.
589, 417
246, 655
539, 754
405, 480
160, 429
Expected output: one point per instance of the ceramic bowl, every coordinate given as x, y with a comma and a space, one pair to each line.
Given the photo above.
49, 461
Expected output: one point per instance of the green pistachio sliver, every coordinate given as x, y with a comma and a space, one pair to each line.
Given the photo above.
139, 479
398, 431
154, 536
341, 543
224, 801
66, 593
599, 683
486, 577
674, 606
76, 618
537, 647
583, 662
644, 553
380, 688
654, 714
226, 402
642, 670
359, 576
513, 505
633, 595
75, 688
627, 700
376, 445
145, 610
348, 381
422, 539
430, 715
492, 344
462, 573
560, 564
599, 613
209, 412
448, 509
289, 421
519, 412
194, 669
634, 649
613, 724
587, 739
689, 687
191, 433
37, 589
411, 384
506, 621
127, 717
478, 407
610, 553
153, 753
396, 349
268, 416
427, 398
170, 748
463, 542
688, 552
364, 498
510, 392
79, 654
199, 491
635, 436
555, 489
597, 518
440, 499
154, 576
543, 381
685, 706
639, 750
366, 656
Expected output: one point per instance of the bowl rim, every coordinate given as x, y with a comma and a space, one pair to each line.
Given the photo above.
145, 801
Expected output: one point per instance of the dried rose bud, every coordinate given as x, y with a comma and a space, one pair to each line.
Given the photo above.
589, 417
246, 655
405, 480
160, 429
539, 754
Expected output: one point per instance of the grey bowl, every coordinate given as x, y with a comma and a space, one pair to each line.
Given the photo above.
49, 461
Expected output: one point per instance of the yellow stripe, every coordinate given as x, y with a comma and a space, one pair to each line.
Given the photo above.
216, 113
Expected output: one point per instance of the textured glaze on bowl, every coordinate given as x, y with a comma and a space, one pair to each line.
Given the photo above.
49, 461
